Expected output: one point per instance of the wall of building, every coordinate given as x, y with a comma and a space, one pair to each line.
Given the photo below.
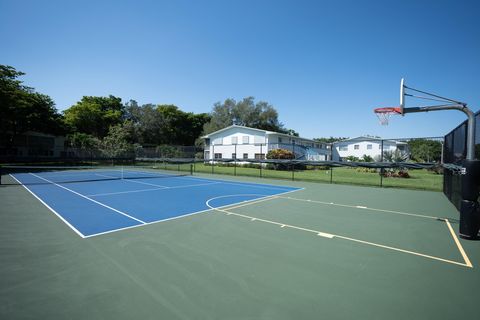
246, 143
359, 148
242, 141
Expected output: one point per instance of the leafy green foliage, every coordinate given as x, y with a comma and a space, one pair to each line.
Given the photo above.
395, 156
22, 109
164, 124
246, 112
329, 140
367, 158
423, 150
82, 141
95, 115
351, 159
280, 154
117, 142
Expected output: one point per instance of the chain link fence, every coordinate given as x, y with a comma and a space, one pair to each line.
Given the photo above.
407, 163
455, 151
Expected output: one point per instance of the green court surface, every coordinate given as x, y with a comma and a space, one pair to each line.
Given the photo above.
323, 252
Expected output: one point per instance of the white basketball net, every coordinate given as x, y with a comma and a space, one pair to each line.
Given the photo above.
384, 117
383, 114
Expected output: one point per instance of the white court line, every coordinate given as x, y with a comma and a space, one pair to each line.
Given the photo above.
330, 235
244, 184
50, 208
140, 182
92, 200
188, 214
122, 192
153, 189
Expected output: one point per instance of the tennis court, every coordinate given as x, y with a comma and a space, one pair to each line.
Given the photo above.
211, 247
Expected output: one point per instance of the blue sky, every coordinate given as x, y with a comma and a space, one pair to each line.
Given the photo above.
324, 65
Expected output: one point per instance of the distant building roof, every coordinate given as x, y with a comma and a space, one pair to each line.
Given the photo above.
254, 129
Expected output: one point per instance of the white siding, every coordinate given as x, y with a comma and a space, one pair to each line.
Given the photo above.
363, 149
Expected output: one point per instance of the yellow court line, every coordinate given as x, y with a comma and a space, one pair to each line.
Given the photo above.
459, 245
331, 236
363, 208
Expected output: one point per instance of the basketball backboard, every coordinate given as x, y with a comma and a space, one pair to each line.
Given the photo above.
402, 96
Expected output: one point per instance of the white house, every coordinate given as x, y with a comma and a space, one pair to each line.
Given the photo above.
360, 146
239, 142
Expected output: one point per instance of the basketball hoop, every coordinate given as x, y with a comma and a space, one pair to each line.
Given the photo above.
384, 114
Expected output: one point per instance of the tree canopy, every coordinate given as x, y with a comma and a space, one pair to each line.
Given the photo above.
246, 112
164, 124
106, 123
330, 140
423, 150
22, 109
95, 115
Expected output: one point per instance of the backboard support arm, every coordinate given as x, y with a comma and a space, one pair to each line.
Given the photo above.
470, 124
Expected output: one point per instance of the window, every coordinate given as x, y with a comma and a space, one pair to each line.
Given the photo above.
234, 156
218, 141
259, 156
207, 155
245, 139
356, 146
218, 156
245, 156
279, 140
207, 142
369, 147
343, 148
234, 140
258, 139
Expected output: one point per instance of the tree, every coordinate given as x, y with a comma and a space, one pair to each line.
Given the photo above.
95, 115
22, 109
395, 156
329, 140
259, 115
367, 158
117, 142
423, 150
164, 124
82, 141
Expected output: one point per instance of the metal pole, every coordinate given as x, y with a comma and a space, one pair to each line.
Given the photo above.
212, 156
381, 160
261, 159
293, 172
235, 162
470, 123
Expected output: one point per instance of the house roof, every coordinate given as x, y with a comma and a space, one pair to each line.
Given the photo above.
254, 129
369, 138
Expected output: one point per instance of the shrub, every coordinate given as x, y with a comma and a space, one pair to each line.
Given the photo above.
280, 154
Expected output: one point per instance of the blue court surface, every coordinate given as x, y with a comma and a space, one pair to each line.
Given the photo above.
92, 208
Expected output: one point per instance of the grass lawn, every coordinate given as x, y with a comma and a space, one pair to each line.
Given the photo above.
419, 178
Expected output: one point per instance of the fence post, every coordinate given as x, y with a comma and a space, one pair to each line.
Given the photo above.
212, 156
261, 159
293, 171
235, 162
381, 160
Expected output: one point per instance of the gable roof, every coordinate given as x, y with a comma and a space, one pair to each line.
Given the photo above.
232, 126
368, 138
254, 129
